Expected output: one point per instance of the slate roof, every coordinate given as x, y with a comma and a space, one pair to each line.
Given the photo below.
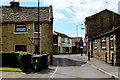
61, 34
25, 14
101, 12
107, 33
76, 39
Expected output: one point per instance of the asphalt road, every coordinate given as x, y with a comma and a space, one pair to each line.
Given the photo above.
67, 67
71, 66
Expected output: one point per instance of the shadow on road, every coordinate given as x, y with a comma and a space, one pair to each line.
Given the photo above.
65, 62
44, 71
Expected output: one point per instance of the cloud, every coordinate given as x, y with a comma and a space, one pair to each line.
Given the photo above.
81, 8
58, 16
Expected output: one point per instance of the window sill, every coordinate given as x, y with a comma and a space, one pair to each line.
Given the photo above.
20, 32
103, 48
112, 48
95, 48
36, 32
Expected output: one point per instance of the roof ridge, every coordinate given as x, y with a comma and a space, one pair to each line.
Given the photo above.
101, 12
25, 7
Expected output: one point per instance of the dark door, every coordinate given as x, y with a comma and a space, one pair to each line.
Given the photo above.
91, 49
59, 49
20, 48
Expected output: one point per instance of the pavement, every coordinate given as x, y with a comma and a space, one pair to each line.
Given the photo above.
106, 68
46, 73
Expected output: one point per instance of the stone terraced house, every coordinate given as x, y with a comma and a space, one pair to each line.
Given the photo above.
102, 31
20, 25
62, 44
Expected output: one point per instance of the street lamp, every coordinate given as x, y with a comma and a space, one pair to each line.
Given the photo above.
77, 30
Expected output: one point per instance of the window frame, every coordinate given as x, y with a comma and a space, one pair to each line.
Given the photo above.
22, 46
111, 39
95, 42
20, 27
35, 27
102, 41
62, 40
68, 40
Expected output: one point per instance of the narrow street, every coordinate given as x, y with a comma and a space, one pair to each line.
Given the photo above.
71, 66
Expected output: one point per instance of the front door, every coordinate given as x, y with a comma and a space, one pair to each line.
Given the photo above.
91, 49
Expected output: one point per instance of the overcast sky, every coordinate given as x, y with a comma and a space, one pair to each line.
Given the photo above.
69, 13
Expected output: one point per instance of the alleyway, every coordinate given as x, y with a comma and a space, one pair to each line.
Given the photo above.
65, 66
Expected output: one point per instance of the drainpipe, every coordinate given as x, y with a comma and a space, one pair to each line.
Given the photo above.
38, 28
33, 38
40, 39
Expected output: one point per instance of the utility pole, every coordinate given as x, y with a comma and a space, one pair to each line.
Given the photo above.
107, 5
76, 30
38, 28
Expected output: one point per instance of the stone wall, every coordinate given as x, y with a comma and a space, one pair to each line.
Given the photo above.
100, 53
101, 22
10, 38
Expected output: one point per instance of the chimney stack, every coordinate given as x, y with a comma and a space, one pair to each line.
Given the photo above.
14, 4
119, 7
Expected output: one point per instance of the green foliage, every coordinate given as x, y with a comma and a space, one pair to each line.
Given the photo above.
20, 52
10, 69
18, 56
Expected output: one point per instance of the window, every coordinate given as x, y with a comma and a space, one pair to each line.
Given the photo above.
68, 40
20, 48
103, 43
95, 44
111, 42
67, 49
36, 27
63, 40
20, 28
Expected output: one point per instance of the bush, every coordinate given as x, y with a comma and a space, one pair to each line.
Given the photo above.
16, 59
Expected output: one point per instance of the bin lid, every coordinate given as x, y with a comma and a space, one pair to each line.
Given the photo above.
41, 55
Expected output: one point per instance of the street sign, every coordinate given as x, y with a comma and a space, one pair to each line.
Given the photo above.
85, 40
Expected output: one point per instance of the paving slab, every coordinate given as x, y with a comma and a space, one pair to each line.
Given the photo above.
102, 66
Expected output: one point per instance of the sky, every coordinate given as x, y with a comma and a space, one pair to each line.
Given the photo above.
68, 14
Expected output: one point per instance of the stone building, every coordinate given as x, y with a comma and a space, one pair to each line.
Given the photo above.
77, 44
20, 28
62, 43
101, 22
106, 46
98, 24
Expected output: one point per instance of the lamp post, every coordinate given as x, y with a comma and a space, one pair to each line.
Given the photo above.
77, 43
77, 30
38, 27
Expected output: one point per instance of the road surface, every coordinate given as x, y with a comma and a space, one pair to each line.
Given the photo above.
71, 66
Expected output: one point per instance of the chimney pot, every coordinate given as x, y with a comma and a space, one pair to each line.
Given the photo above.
14, 4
